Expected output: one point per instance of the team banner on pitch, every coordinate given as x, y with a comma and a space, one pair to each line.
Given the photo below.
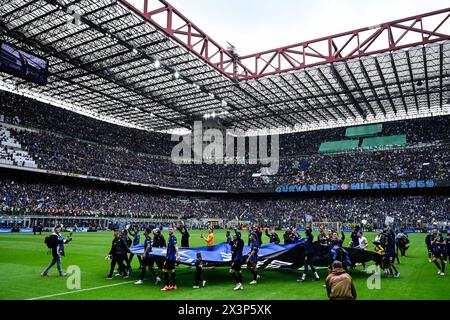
270, 256
217, 254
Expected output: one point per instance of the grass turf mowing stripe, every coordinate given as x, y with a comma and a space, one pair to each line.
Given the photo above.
90, 289
23, 257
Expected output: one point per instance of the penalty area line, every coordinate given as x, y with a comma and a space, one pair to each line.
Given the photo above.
80, 290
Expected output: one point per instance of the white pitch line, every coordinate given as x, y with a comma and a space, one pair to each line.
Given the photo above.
81, 290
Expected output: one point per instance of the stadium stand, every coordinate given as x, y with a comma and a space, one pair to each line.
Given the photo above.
384, 142
55, 139
76, 156
64, 200
27, 112
12, 153
31, 113
87, 106
91, 147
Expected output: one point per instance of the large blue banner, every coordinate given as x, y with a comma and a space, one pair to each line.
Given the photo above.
270, 256
219, 253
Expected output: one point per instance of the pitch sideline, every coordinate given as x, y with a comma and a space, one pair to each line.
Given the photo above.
90, 289
80, 290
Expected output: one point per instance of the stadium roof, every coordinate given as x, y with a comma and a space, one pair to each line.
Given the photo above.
152, 68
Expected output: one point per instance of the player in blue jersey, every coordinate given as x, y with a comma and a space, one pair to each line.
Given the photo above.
198, 271
334, 238
172, 255
389, 248
61, 244
438, 249
340, 254
309, 254
322, 237
147, 258
252, 259
136, 241
258, 234
237, 247
228, 236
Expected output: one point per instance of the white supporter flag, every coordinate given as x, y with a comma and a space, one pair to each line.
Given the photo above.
389, 220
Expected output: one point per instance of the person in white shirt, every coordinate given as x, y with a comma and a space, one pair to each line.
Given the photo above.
363, 244
379, 236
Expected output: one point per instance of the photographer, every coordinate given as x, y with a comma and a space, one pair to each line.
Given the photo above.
273, 236
56, 242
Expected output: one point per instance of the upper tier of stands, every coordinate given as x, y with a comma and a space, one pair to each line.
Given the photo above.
69, 142
35, 114
28, 112
11, 152
75, 156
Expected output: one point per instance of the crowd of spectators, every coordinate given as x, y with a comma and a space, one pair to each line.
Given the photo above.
73, 143
420, 163
25, 111
51, 198
76, 156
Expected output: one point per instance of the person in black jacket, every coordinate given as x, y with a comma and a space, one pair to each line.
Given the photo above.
54, 242
184, 235
354, 236
129, 242
258, 233
228, 237
287, 236
273, 236
429, 246
158, 239
158, 242
118, 255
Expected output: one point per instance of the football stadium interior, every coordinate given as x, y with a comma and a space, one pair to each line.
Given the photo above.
95, 96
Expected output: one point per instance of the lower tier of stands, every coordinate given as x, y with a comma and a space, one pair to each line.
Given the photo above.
28, 198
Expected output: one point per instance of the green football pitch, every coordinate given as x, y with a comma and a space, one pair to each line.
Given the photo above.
23, 257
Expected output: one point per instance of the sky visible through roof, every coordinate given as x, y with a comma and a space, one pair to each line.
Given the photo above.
257, 25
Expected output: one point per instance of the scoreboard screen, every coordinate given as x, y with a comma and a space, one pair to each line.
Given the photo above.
23, 64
